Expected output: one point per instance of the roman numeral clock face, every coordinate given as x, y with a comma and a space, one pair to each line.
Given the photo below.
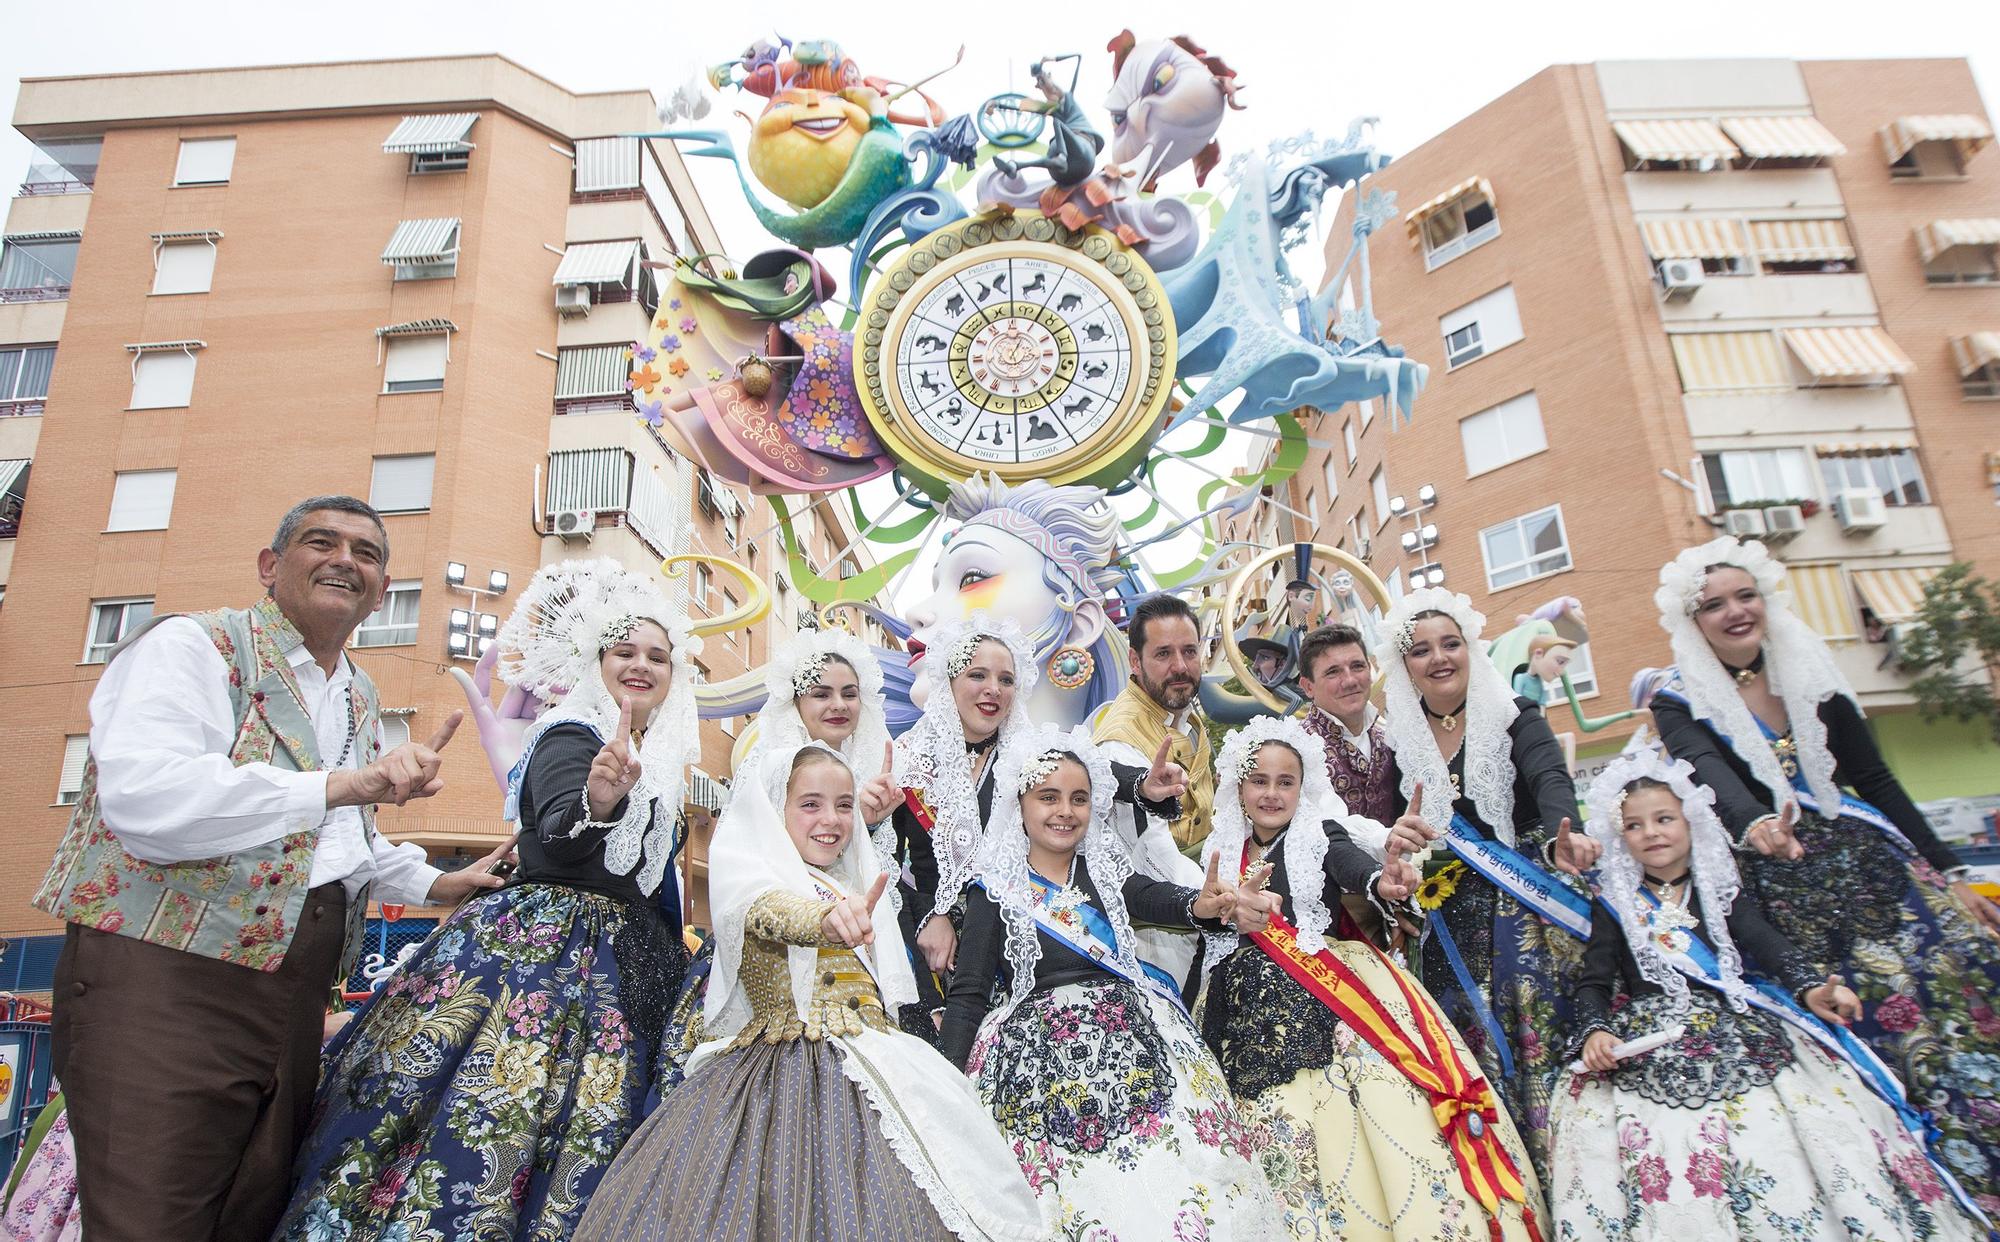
1017, 347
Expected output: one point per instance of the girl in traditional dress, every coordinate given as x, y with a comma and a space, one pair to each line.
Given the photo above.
1339, 1060
1750, 1122
1117, 1113
1479, 770
808, 1115
1758, 706
485, 1088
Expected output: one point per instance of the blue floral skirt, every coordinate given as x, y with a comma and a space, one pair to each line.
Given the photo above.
485, 1089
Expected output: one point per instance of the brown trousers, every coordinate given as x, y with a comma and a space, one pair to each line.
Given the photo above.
190, 1080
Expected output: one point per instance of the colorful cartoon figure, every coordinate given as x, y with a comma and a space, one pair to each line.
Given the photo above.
1074, 144
1167, 100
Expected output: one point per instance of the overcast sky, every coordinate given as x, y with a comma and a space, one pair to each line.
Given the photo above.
1418, 67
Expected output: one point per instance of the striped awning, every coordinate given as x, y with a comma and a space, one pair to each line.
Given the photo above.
593, 371
597, 263
1782, 137
1938, 236
431, 135
189, 235
1968, 133
161, 347
418, 327
418, 243
1848, 353
1821, 600
1431, 206
1695, 238
1862, 448
1893, 595
1674, 140
1976, 350
1801, 241
59, 235
607, 164
1713, 362
14, 476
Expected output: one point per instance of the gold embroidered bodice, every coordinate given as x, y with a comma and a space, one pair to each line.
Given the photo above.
844, 999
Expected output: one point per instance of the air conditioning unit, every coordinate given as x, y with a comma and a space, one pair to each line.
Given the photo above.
1681, 278
1744, 523
572, 300
1783, 522
573, 523
1860, 509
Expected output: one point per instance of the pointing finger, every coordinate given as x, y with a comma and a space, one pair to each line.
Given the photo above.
875, 889
888, 758
1214, 879
445, 730
1160, 755
624, 717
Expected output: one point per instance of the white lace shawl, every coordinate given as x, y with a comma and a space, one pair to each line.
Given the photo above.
1305, 840
1714, 875
1003, 859
1489, 711
931, 757
551, 645
751, 855
1797, 663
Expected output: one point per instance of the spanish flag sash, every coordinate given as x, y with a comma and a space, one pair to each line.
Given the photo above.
1461, 1099
920, 810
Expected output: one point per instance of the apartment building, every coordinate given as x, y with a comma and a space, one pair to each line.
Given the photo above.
1663, 300
410, 280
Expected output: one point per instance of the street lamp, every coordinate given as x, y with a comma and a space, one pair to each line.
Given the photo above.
470, 632
1421, 536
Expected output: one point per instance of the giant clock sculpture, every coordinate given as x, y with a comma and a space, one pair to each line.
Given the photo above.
1014, 345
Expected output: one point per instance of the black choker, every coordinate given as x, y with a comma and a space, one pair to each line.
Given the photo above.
1448, 719
1748, 673
983, 745
1666, 884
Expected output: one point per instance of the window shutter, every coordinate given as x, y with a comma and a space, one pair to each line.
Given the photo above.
163, 379
414, 358
185, 267
402, 484
205, 161
142, 500
76, 750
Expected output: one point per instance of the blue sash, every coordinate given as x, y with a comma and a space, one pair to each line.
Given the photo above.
1097, 944
1842, 1043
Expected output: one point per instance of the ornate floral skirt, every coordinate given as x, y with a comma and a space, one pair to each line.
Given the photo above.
43, 1206
1744, 1128
1349, 1144
1928, 977
486, 1087
1119, 1114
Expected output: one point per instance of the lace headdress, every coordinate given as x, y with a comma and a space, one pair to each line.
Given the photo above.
567, 617
1026, 760
1305, 840
794, 669
932, 757
1489, 710
1713, 871
1797, 663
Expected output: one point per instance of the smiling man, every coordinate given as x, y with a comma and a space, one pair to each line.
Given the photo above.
1158, 705
1335, 674
214, 878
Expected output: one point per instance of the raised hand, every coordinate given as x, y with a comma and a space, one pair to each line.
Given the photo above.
1164, 779
1773, 835
1574, 853
880, 793
615, 770
409, 771
851, 921
1597, 1055
1217, 900
1398, 878
1410, 828
1834, 1001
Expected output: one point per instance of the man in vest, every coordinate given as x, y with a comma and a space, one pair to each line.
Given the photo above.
214, 878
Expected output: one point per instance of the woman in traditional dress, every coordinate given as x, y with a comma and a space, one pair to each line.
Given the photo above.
809, 1115
982, 674
1758, 706
41, 1193
1117, 1113
1339, 1060
485, 1088
1750, 1121
1471, 754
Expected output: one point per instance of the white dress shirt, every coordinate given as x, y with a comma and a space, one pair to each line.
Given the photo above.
1358, 741
161, 728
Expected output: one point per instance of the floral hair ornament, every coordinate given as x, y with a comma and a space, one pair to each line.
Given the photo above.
1039, 769
807, 674
1683, 579
1401, 623
959, 658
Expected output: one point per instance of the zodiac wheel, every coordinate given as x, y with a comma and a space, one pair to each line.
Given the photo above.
1016, 346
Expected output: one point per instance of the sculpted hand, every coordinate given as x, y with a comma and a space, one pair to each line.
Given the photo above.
409, 771
615, 769
1217, 900
880, 794
850, 921
1165, 779
1597, 1051
1834, 1002
1575, 854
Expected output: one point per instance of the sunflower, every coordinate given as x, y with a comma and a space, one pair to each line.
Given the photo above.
1439, 885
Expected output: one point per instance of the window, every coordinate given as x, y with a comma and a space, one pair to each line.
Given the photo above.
1582, 675
38, 267
1893, 471
1378, 487
1347, 440
424, 249
110, 621
1462, 224
1362, 545
402, 484
1478, 328
205, 161
141, 500
395, 728
1395, 584
1311, 509
1804, 247
1331, 469
1503, 433
728, 606
76, 753
703, 578
63, 166
1962, 265
394, 624
24, 378
607, 164
162, 379
1530, 546
1982, 384
1367, 409
184, 267
1740, 476
415, 363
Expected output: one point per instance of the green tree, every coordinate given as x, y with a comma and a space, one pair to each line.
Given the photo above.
1954, 648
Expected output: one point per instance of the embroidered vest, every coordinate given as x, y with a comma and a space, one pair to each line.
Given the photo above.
241, 907
1134, 719
1364, 783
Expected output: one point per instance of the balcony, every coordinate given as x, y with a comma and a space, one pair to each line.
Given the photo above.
1441, 255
